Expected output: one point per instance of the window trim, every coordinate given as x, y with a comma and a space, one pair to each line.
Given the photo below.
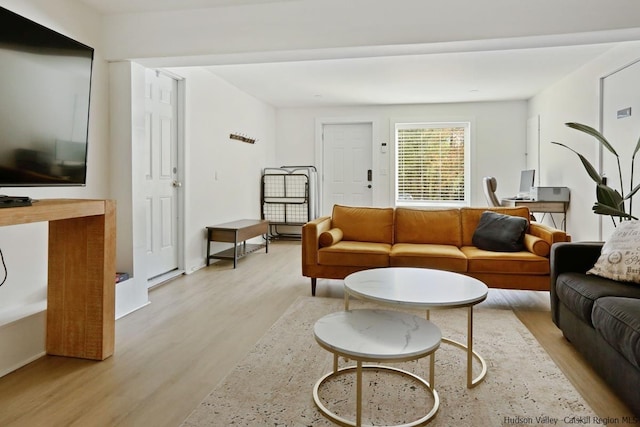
468, 135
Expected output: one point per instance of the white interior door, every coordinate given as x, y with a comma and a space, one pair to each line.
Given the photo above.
621, 126
161, 174
347, 165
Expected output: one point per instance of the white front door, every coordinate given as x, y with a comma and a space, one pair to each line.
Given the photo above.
161, 174
347, 172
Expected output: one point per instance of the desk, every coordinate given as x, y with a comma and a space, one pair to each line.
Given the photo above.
542, 206
236, 232
81, 273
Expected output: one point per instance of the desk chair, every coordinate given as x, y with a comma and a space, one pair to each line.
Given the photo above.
489, 185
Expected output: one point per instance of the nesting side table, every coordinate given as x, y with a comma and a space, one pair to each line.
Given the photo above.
423, 288
376, 336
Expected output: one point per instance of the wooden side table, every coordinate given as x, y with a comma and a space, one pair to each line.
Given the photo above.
237, 232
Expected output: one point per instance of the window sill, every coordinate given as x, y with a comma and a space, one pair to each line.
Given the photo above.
430, 205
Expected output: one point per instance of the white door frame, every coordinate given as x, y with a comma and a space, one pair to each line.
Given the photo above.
601, 119
319, 149
182, 165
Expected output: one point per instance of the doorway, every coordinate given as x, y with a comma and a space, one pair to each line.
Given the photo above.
347, 175
161, 185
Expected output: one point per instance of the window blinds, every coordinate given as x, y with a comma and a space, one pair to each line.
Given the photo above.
431, 162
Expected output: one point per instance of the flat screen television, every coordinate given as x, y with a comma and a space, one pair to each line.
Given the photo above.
45, 87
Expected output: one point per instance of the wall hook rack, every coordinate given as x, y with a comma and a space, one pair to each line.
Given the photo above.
242, 138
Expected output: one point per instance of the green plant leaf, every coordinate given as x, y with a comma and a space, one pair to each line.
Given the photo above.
593, 132
633, 192
601, 209
593, 173
608, 196
633, 156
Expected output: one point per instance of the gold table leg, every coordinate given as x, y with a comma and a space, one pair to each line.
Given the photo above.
359, 369
359, 393
471, 382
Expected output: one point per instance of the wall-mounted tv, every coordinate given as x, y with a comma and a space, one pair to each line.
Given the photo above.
45, 86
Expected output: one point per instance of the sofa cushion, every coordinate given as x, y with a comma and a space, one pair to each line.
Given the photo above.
579, 291
618, 321
364, 224
523, 262
620, 256
536, 245
500, 233
330, 237
440, 226
357, 254
470, 217
441, 257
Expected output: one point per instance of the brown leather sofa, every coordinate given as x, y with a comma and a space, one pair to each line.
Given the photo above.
359, 238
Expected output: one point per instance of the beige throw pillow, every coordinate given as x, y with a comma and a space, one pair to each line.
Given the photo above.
620, 255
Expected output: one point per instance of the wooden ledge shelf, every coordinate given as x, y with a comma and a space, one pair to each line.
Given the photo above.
52, 210
81, 273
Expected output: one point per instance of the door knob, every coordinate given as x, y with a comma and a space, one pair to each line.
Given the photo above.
176, 184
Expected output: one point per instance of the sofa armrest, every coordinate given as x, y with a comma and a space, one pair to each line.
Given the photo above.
566, 257
549, 234
310, 239
575, 257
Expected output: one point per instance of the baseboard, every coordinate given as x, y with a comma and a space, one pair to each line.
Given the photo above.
131, 295
15, 313
22, 363
22, 342
121, 315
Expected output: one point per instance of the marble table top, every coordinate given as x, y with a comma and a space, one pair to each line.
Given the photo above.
416, 287
377, 335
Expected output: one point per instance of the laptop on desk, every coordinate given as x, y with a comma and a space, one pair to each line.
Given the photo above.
519, 197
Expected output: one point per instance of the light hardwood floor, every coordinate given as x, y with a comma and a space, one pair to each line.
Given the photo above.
171, 354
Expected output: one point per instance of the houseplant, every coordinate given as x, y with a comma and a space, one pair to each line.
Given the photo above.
609, 201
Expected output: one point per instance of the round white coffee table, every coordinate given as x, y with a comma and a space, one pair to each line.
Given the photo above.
427, 289
376, 336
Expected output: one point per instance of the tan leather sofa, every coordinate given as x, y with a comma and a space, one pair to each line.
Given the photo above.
359, 238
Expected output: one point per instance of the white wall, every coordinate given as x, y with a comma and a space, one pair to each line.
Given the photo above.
576, 98
22, 297
127, 120
222, 176
498, 139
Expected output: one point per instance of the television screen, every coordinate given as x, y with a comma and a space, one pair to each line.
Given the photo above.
45, 85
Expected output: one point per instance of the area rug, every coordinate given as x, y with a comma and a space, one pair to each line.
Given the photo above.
273, 384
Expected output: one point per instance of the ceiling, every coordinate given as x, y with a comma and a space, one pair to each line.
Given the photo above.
133, 6
409, 79
464, 75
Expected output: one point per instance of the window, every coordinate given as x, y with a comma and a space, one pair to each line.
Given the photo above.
432, 166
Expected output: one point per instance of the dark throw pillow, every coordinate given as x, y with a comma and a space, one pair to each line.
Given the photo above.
500, 233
